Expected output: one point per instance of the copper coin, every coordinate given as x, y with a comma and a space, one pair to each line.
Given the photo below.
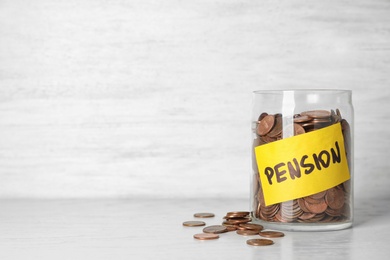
311, 200
271, 234
194, 223
301, 119
301, 203
247, 232
269, 139
333, 212
260, 242
234, 221
266, 125
307, 215
252, 226
262, 116
335, 198
297, 130
316, 208
278, 127
316, 113
235, 217
241, 228
238, 213
206, 236
318, 195
215, 229
231, 227
204, 215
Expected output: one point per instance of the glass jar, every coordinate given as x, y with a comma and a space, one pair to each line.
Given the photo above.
302, 156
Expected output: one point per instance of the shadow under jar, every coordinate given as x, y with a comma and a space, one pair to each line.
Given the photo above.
302, 159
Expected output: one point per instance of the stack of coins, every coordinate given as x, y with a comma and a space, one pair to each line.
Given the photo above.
332, 205
238, 221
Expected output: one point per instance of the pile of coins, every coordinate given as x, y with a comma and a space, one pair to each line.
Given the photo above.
332, 205
238, 221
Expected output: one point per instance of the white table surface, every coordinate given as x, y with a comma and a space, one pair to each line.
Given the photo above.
152, 229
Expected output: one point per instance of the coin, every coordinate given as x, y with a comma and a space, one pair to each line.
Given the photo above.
296, 128
262, 116
316, 113
215, 229
252, 226
260, 242
206, 236
204, 215
318, 195
231, 227
265, 125
271, 234
335, 198
307, 215
236, 215
301, 203
316, 208
278, 127
311, 200
233, 221
301, 119
194, 223
333, 212
247, 232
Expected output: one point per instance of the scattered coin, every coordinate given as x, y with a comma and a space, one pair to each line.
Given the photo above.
206, 236
204, 215
271, 234
260, 242
194, 223
246, 232
215, 229
244, 229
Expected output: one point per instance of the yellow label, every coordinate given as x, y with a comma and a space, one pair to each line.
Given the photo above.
302, 165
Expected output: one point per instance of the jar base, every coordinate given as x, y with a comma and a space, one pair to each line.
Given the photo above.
303, 226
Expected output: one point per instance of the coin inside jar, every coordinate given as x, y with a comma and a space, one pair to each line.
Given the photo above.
317, 113
266, 125
331, 205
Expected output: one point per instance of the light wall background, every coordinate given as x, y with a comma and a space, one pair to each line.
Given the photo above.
152, 98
